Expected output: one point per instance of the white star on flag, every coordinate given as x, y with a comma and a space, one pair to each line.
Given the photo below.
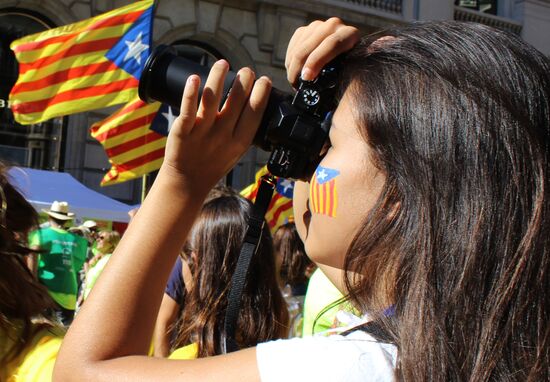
286, 184
135, 48
321, 175
170, 117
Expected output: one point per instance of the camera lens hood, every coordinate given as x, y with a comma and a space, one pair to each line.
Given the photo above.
165, 74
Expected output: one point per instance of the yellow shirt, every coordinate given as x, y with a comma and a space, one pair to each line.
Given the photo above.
35, 363
187, 352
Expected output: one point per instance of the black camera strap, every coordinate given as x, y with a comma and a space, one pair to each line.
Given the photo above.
252, 238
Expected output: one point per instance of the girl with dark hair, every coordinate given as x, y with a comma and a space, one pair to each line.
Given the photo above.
439, 155
28, 340
212, 249
295, 267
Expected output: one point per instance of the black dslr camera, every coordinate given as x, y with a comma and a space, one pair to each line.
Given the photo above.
294, 127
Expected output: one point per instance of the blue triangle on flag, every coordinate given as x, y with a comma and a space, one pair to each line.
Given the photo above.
132, 50
164, 119
285, 187
325, 174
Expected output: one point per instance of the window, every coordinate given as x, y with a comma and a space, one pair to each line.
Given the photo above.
485, 6
39, 145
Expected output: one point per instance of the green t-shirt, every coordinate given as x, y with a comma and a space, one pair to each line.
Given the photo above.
321, 294
58, 265
93, 274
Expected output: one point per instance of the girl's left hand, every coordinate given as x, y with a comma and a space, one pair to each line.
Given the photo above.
204, 142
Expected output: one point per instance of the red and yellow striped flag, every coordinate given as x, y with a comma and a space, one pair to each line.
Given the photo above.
133, 149
83, 66
280, 209
323, 197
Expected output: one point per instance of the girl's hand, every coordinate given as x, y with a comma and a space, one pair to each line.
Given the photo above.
205, 143
313, 46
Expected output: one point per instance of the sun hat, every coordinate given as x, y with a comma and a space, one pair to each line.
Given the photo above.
90, 224
59, 210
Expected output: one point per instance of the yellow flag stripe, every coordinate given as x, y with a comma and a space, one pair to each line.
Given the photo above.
82, 25
73, 84
29, 57
124, 176
139, 151
84, 104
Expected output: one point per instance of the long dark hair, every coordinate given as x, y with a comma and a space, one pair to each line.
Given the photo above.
22, 298
215, 241
294, 263
458, 118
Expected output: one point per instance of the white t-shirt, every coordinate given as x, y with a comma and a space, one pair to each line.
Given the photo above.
355, 357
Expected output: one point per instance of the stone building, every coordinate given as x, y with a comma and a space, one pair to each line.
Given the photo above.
250, 33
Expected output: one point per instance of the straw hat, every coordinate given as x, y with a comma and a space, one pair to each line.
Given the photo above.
90, 224
59, 210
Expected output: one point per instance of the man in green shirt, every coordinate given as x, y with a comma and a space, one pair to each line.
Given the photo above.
61, 254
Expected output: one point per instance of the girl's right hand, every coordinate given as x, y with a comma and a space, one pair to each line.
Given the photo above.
204, 142
313, 46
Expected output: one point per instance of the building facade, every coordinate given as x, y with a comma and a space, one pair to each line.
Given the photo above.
250, 33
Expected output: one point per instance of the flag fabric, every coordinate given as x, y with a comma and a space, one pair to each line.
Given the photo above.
83, 66
280, 209
322, 191
132, 146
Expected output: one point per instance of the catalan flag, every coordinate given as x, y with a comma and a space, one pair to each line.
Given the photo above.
83, 66
322, 191
133, 148
280, 209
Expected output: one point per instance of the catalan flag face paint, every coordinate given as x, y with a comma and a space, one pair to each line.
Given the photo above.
323, 196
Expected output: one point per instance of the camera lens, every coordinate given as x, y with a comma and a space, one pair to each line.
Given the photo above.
164, 76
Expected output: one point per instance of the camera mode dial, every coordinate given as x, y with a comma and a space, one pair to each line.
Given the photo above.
311, 97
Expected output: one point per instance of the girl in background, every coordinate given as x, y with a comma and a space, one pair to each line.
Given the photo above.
212, 250
29, 341
106, 243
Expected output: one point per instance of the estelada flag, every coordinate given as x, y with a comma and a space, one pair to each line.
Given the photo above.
280, 209
323, 196
83, 66
133, 147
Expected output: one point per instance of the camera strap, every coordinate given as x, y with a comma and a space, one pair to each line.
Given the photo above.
251, 240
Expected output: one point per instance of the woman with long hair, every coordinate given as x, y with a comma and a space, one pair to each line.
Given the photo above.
106, 243
29, 340
439, 157
212, 250
295, 267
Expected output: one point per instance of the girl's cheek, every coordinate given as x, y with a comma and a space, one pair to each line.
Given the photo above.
323, 191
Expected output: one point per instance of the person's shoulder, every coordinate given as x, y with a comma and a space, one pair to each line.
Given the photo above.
356, 356
37, 364
38, 236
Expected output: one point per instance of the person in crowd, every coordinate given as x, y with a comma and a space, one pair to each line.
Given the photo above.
60, 256
171, 308
212, 250
29, 340
322, 303
92, 226
294, 270
439, 155
106, 243
173, 299
85, 233
294, 266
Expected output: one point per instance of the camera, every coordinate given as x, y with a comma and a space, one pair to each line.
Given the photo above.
294, 127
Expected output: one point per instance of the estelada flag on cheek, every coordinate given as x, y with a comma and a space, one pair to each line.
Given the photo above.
323, 198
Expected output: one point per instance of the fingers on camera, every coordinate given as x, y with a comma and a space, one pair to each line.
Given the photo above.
213, 92
251, 115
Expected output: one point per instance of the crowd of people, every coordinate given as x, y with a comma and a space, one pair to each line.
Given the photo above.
436, 260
